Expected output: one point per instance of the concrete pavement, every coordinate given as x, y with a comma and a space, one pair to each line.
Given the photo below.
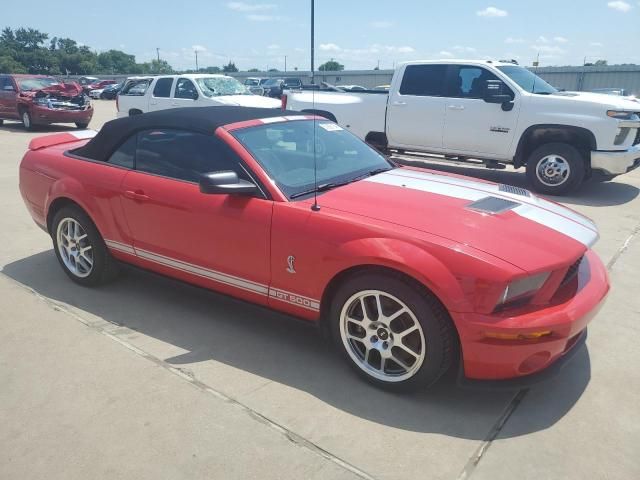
148, 377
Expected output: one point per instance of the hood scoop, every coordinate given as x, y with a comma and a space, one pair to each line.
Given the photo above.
514, 190
493, 205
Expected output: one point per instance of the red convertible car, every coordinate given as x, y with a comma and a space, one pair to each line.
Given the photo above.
411, 271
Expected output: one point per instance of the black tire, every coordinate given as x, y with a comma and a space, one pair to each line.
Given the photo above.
27, 120
105, 267
82, 125
134, 111
568, 160
439, 334
1, 121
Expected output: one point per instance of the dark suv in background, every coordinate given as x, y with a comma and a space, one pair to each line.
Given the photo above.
275, 86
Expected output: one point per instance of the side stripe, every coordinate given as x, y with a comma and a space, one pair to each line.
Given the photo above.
220, 277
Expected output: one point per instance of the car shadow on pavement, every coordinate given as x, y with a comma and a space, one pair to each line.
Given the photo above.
212, 327
17, 126
592, 193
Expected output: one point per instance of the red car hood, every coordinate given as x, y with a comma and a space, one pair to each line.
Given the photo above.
59, 90
525, 230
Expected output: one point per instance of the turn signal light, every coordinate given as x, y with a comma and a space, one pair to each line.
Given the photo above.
518, 336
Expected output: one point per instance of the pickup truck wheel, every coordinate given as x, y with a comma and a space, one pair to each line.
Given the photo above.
26, 120
394, 334
82, 125
80, 249
1, 121
555, 168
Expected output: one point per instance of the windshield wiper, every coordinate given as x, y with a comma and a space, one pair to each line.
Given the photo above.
331, 185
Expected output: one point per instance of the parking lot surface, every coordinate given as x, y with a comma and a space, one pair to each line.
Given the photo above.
151, 378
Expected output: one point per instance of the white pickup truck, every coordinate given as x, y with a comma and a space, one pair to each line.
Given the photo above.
147, 94
495, 112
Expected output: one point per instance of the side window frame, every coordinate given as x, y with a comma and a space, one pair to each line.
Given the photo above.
231, 154
454, 72
175, 88
171, 88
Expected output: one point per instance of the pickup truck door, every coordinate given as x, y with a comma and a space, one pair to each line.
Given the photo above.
216, 241
471, 125
415, 111
160, 98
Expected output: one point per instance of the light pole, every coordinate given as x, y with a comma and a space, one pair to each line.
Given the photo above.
158, 53
196, 52
312, 39
285, 63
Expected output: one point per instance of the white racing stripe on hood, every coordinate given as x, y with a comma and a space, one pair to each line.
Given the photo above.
532, 208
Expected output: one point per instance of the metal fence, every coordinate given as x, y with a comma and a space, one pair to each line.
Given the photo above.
566, 78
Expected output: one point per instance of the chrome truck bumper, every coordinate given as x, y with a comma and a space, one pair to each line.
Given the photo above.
616, 163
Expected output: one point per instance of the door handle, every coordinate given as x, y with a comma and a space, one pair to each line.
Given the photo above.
456, 107
399, 104
137, 195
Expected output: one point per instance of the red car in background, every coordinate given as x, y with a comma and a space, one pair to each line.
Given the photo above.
41, 100
411, 271
98, 85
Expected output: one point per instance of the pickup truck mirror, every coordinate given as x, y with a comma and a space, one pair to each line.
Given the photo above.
495, 91
227, 183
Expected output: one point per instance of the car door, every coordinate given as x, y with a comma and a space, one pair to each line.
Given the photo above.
415, 111
185, 94
8, 98
160, 98
219, 241
473, 126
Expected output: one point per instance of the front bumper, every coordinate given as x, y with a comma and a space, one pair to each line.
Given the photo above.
616, 163
520, 362
43, 116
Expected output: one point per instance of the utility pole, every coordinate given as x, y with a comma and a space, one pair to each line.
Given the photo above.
158, 53
285, 63
312, 39
196, 52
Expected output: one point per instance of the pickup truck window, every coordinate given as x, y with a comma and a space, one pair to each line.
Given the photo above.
163, 87
469, 81
527, 80
286, 152
182, 155
423, 80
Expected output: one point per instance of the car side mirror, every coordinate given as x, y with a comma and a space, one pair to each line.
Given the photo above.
227, 183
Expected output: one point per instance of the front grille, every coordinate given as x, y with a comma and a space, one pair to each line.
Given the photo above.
572, 272
515, 190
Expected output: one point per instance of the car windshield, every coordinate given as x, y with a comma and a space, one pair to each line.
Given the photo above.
219, 86
527, 80
272, 81
286, 152
29, 84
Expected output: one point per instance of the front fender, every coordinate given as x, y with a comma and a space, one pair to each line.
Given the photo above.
409, 259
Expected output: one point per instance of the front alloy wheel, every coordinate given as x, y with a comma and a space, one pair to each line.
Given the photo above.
391, 330
382, 335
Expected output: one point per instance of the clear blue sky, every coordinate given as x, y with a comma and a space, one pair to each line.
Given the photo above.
358, 33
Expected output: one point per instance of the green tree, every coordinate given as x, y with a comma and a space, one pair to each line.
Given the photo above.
331, 66
253, 70
9, 65
230, 67
116, 61
212, 70
599, 63
155, 66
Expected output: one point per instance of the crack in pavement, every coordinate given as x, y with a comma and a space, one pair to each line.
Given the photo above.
188, 376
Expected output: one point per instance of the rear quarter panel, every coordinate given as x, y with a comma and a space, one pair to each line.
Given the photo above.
48, 174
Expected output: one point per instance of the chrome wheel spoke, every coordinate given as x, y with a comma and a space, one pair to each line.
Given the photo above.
408, 331
74, 248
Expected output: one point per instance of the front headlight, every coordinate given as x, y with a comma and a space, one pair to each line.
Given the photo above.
522, 289
622, 115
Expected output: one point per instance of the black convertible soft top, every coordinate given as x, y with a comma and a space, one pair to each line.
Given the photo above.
196, 119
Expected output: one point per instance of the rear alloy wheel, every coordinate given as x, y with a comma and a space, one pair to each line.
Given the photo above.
555, 168
26, 120
397, 337
80, 249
